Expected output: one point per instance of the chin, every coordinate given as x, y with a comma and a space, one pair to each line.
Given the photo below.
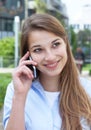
53, 74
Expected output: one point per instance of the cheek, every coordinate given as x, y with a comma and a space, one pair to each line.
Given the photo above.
37, 58
62, 51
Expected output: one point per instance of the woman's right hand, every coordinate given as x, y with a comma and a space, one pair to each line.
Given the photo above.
23, 76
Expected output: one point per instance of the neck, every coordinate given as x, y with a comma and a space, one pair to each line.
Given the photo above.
49, 83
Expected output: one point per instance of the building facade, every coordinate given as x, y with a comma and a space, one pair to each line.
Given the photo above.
8, 10
24, 8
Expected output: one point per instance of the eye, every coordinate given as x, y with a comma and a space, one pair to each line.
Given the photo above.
37, 50
56, 44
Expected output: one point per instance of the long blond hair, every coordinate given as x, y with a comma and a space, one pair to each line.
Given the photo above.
74, 102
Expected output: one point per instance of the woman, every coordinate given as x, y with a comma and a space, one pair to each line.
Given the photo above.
58, 98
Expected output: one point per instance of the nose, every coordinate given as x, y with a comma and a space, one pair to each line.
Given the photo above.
49, 55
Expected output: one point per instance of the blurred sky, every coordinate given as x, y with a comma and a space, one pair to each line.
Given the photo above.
74, 7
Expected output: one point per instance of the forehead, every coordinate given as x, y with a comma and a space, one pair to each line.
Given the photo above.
40, 37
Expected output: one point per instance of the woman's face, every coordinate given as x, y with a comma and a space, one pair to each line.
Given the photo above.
49, 51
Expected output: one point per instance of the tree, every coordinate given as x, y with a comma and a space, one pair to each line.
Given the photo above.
83, 36
73, 39
7, 51
41, 6
84, 40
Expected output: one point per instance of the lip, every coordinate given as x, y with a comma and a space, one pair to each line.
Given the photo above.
52, 65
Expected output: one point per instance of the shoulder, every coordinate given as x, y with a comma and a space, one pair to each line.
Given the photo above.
86, 83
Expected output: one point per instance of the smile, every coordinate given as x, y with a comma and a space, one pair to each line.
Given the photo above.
52, 65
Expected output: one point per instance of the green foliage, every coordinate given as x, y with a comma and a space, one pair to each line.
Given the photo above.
84, 40
5, 78
90, 72
83, 36
7, 47
7, 50
87, 67
41, 6
73, 40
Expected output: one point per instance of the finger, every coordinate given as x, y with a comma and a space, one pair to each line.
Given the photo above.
28, 62
21, 71
25, 56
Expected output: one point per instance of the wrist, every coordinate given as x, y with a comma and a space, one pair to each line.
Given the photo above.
18, 98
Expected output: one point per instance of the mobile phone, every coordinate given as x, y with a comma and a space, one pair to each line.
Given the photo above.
33, 68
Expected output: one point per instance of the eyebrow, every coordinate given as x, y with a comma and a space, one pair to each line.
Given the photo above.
40, 45
55, 40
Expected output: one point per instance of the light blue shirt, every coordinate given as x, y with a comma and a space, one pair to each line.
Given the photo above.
38, 113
